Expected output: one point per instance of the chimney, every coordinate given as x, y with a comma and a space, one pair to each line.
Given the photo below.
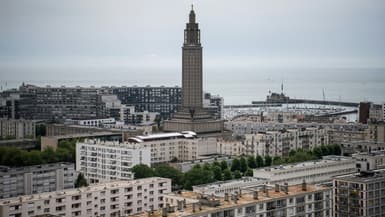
286, 187
164, 212
227, 197
240, 192
180, 205
184, 203
194, 207
304, 185
276, 188
200, 206
255, 195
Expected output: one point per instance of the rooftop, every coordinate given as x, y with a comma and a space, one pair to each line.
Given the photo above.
163, 136
364, 176
9, 170
244, 199
325, 161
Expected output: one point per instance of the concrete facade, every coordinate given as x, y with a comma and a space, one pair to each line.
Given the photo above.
185, 146
36, 179
113, 199
361, 194
17, 129
103, 161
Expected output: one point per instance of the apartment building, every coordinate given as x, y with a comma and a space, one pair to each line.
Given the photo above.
273, 143
17, 129
18, 181
59, 103
163, 100
128, 115
360, 194
184, 146
103, 161
297, 200
318, 171
231, 147
117, 198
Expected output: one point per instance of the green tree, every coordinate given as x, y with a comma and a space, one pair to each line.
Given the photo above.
197, 176
251, 162
224, 165
81, 181
277, 160
237, 174
249, 172
259, 161
268, 160
235, 165
49, 155
167, 171
217, 172
243, 165
317, 152
206, 166
216, 163
142, 171
227, 175
336, 149
32, 158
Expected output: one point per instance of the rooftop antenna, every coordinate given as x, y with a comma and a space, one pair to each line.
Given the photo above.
192, 7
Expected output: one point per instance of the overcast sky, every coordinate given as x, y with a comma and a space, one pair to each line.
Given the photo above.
140, 34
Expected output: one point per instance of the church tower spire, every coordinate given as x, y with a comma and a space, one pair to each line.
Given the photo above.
192, 32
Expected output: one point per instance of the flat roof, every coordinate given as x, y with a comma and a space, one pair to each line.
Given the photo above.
244, 200
364, 177
326, 160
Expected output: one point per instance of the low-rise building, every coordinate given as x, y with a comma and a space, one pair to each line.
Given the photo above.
103, 161
230, 187
297, 200
360, 194
370, 160
18, 181
118, 198
318, 171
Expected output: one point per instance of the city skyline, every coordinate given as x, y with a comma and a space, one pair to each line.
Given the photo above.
138, 43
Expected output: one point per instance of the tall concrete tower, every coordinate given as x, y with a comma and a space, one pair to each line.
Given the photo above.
191, 115
192, 86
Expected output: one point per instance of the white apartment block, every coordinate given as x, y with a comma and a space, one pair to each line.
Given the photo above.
319, 171
230, 147
16, 129
298, 200
16, 181
274, 143
118, 198
102, 161
183, 146
280, 143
